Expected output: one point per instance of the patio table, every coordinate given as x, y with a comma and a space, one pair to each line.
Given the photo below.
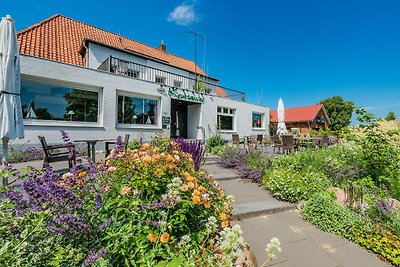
91, 146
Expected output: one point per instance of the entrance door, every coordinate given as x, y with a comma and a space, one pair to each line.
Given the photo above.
179, 113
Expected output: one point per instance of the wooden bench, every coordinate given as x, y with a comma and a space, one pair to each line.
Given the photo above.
57, 152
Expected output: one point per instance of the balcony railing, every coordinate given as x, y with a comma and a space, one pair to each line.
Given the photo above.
145, 73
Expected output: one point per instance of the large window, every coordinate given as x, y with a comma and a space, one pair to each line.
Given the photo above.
225, 118
257, 120
42, 101
135, 110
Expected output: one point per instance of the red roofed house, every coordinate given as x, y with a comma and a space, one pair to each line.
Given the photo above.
97, 84
304, 118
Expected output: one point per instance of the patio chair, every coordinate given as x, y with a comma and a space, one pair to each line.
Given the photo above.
260, 139
266, 139
277, 143
109, 143
236, 140
253, 140
288, 143
57, 152
332, 139
325, 141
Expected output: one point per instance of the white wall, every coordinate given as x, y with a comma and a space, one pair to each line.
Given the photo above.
109, 84
46, 70
99, 53
242, 121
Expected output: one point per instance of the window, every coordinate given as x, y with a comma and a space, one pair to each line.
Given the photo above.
257, 120
135, 110
177, 84
44, 101
160, 79
225, 118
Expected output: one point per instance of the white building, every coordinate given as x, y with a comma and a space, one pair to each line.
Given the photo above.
96, 84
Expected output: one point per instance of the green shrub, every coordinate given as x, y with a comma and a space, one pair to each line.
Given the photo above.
290, 185
214, 141
322, 211
133, 144
218, 150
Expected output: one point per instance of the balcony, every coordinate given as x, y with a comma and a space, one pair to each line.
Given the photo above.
149, 74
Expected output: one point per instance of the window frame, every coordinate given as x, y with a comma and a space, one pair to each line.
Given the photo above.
156, 126
262, 120
83, 87
230, 112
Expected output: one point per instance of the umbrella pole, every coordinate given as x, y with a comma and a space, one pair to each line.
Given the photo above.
5, 158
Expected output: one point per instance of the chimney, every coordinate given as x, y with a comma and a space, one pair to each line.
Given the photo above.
162, 46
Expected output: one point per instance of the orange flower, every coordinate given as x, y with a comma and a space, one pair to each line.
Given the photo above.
169, 158
171, 166
184, 188
196, 192
82, 174
145, 146
191, 185
164, 238
225, 224
156, 149
207, 204
125, 190
222, 217
100, 166
202, 188
147, 159
152, 237
111, 169
186, 174
196, 199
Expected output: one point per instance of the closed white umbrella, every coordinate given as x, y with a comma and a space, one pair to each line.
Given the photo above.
11, 119
281, 118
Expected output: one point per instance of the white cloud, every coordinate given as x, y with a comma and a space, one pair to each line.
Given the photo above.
182, 15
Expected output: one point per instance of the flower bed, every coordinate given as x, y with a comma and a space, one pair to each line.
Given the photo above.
145, 206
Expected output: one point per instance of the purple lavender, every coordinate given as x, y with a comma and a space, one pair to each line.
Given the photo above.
67, 140
93, 256
385, 207
195, 148
105, 224
99, 201
118, 144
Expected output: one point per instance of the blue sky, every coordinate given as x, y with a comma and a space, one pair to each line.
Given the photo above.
300, 50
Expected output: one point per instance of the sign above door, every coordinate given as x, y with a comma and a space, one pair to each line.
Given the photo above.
185, 95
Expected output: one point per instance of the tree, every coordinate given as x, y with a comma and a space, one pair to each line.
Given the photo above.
391, 116
339, 111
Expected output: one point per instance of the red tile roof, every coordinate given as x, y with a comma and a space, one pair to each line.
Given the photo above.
298, 114
220, 92
61, 39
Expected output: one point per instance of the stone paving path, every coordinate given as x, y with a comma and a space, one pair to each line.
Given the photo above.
262, 217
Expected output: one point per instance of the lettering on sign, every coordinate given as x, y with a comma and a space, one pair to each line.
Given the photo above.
185, 95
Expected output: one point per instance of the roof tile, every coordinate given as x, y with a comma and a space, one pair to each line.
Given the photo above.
60, 38
298, 114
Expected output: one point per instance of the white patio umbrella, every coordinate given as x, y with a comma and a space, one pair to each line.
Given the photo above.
11, 119
281, 118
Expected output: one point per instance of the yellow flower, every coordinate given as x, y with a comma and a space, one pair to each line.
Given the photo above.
125, 190
145, 146
225, 224
202, 188
222, 217
196, 192
164, 238
207, 204
82, 174
152, 237
196, 199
